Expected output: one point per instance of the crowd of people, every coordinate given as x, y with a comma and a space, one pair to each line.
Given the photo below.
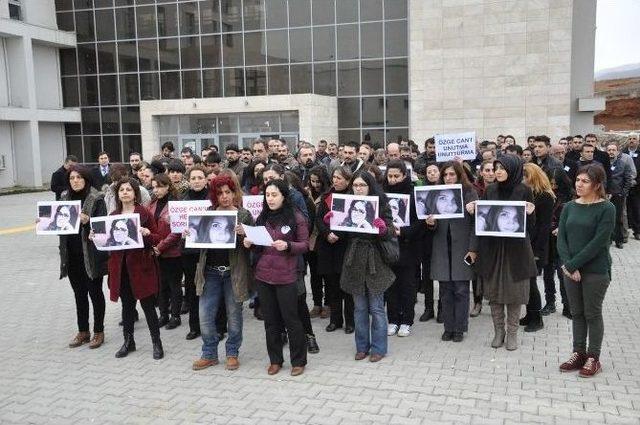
580, 198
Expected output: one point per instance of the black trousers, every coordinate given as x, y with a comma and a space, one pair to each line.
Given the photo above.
303, 313
535, 303
279, 305
84, 288
619, 202
337, 297
401, 296
633, 210
317, 281
552, 267
129, 308
189, 263
170, 291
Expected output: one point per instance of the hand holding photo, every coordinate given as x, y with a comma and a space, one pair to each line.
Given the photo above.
501, 218
440, 201
212, 229
117, 232
58, 217
353, 213
400, 208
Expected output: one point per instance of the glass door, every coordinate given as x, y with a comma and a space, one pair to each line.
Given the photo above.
197, 142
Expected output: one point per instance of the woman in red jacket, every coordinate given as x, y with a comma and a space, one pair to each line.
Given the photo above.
276, 273
133, 273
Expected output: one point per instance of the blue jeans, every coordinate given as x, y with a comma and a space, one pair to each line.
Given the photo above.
371, 336
216, 286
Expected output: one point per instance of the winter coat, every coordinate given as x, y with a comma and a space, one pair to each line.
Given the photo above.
169, 245
541, 232
330, 255
410, 238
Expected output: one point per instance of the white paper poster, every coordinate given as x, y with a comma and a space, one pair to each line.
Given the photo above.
460, 145
179, 210
253, 204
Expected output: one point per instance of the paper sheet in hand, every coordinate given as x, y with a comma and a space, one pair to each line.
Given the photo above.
258, 235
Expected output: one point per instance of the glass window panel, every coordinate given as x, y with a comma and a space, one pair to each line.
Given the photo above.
376, 137
103, 3
124, 2
324, 75
64, 4
256, 81
346, 136
129, 89
168, 124
87, 59
92, 147
149, 86
396, 76
394, 133
348, 112
348, 78
107, 57
254, 48
212, 82
209, 16
323, 12
395, 9
74, 147
148, 51
65, 21
299, 13
277, 46
227, 124
370, 10
105, 25
132, 143
111, 144
126, 23
324, 44
70, 92
146, 19
233, 82
167, 20
190, 52
231, 15
372, 82
127, 56
397, 111
131, 119
228, 140
395, 38
232, 49
68, 63
300, 44
110, 121
89, 91
279, 79
191, 84
301, 79
72, 129
169, 54
84, 26
373, 112
90, 122
253, 15
210, 51
108, 90
289, 121
371, 40
348, 42
347, 11
170, 85
276, 13
189, 18
83, 4
262, 122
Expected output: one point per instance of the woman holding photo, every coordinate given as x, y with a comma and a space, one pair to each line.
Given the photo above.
432, 173
455, 248
81, 262
366, 276
584, 236
319, 184
506, 265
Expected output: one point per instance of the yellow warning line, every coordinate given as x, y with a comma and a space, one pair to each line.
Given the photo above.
20, 229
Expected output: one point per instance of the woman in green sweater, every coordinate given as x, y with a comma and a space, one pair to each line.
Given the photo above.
584, 236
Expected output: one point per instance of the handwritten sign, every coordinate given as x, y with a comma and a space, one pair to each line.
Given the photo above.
253, 204
179, 210
449, 146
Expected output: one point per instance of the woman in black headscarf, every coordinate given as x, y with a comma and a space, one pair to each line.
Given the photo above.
506, 264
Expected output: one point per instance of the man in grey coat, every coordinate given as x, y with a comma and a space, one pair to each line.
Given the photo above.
623, 178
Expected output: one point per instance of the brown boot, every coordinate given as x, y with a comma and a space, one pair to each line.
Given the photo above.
513, 316
97, 340
315, 311
326, 312
497, 315
232, 363
79, 339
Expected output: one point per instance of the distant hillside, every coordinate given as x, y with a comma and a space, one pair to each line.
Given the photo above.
625, 71
622, 110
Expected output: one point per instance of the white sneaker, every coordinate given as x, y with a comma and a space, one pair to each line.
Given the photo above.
392, 329
405, 330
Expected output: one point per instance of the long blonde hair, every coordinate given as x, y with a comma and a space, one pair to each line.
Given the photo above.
537, 179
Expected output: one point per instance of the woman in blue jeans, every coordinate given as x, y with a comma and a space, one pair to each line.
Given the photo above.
366, 276
223, 274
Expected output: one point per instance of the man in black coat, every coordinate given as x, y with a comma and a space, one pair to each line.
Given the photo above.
100, 174
59, 177
553, 168
633, 200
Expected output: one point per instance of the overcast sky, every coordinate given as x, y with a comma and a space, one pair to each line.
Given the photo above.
617, 33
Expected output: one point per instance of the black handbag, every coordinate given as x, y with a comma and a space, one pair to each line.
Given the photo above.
389, 250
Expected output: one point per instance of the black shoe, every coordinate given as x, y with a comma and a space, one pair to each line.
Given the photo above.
535, 324
312, 344
349, 329
174, 322
619, 245
548, 309
158, 352
458, 336
257, 313
525, 320
251, 304
128, 346
193, 335
285, 338
332, 327
567, 313
184, 309
636, 236
447, 336
427, 315
163, 320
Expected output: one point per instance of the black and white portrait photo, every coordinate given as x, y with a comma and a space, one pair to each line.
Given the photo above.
58, 218
352, 213
212, 229
501, 218
400, 208
440, 201
117, 232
